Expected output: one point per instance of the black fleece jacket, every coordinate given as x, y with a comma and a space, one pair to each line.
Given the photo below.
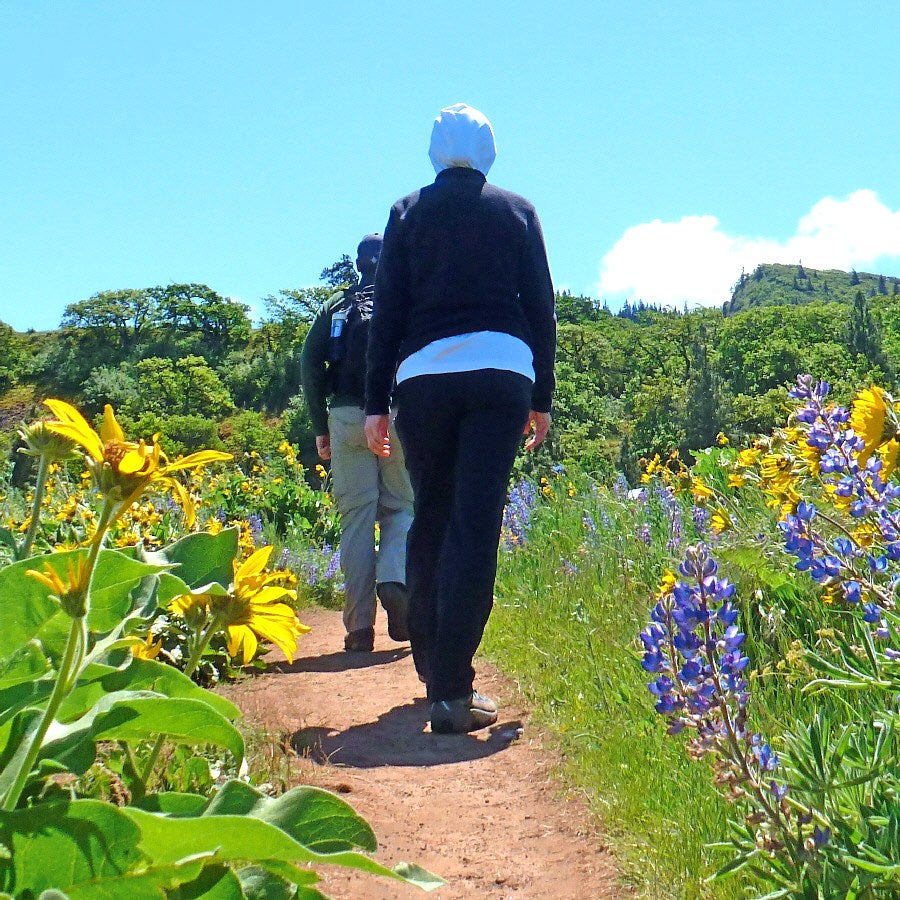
460, 255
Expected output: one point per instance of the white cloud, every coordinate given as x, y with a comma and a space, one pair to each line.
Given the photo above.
694, 260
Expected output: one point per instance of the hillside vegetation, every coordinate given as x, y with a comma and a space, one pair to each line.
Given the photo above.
186, 361
773, 284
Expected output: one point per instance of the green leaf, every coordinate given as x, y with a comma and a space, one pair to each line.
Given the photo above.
8, 539
202, 557
25, 604
147, 884
172, 803
114, 580
261, 884
170, 586
26, 664
313, 817
137, 716
140, 674
244, 839
58, 845
215, 883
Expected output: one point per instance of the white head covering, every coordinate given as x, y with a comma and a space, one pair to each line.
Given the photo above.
462, 137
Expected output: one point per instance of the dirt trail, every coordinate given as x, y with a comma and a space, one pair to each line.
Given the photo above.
481, 810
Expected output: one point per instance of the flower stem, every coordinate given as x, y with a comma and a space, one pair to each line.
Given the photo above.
203, 639
60, 690
40, 487
73, 655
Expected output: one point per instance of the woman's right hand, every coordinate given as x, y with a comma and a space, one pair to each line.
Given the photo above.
539, 423
323, 446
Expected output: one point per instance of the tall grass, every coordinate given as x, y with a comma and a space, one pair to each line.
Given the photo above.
570, 603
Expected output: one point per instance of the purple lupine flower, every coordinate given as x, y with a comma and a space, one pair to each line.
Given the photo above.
517, 514
255, 523
862, 575
700, 518
693, 646
333, 565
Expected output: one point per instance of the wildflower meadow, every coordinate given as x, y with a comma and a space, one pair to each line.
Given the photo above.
746, 603
115, 604
714, 646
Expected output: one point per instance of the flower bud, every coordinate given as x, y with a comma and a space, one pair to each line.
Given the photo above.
41, 441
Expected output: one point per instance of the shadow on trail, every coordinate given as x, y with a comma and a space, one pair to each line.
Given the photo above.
341, 661
397, 739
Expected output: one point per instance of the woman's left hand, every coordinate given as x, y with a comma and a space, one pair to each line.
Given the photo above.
377, 435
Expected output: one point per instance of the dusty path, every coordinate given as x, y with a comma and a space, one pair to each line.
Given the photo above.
480, 810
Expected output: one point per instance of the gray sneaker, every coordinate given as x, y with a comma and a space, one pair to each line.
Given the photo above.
462, 715
395, 600
360, 641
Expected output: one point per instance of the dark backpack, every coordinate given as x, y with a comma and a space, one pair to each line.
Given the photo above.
347, 368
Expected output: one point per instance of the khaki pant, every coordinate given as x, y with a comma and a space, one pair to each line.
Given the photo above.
367, 489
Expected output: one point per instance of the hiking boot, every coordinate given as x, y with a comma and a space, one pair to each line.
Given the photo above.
462, 715
362, 640
395, 600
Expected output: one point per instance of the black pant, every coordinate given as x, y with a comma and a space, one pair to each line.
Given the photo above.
460, 433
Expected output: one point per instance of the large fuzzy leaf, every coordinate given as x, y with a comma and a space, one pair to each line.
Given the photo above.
137, 716
316, 818
201, 558
239, 838
138, 675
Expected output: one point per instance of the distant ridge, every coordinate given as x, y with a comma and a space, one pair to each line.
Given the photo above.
773, 284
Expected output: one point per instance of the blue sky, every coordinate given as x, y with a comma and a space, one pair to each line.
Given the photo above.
246, 146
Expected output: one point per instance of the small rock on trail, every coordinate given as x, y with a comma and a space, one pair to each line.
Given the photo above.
482, 810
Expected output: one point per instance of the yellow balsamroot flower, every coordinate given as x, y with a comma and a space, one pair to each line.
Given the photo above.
871, 419
133, 466
666, 584
720, 521
889, 454
650, 469
71, 590
149, 649
42, 441
722, 439
736, 481
250, 610
866, 533
701, 490
748, 457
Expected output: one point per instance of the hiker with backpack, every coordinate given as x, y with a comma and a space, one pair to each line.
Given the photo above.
367, 489
464, 323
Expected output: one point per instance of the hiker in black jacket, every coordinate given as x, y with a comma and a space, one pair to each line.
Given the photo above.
464, 322
367, 490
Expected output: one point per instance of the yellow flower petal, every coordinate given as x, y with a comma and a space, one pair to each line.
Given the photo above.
71, 424
868, 418
241, 636
254, 564
200, 458
271, 594
110, 430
